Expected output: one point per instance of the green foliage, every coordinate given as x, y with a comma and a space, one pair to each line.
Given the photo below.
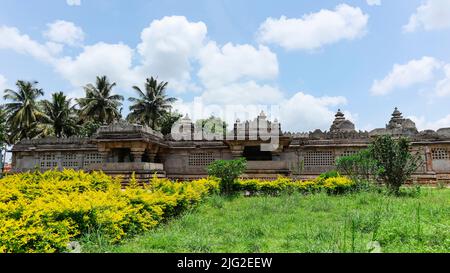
329, 174
151, 104
360, 167
99, 104
59, 117
330, 182
227, 171
297, 223
394, 160
88, 128
22, 110
42, 212
167, 120
3, 127
212, 126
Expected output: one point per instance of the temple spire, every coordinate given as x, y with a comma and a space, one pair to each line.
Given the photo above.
396, 114
339, 115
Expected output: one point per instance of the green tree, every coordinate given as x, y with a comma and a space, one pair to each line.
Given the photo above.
227, 171
88, 128
3, 127
3, 138
212, 126
59, 117
394, 160
167, 120
23, 110
359, 166
99, 104
151, 104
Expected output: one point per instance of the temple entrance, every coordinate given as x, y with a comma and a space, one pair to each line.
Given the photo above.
254, 153
122, 155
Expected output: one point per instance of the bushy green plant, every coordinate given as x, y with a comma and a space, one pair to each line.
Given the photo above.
89, 128
329, 174
394, 161
227, 171
360, 166
43, 212
330, 182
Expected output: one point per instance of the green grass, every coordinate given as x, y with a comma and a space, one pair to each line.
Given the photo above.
301, 223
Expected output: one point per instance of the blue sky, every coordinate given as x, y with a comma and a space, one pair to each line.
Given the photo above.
308, 57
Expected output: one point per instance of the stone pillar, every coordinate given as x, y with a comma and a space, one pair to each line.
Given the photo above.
37, 160
236, 154
428, 159
59, 159
151, 157
104, 156
137, 155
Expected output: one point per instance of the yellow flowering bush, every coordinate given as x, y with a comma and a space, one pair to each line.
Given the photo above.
42, 212
338, 184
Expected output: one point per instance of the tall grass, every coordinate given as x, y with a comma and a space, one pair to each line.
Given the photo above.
304, 223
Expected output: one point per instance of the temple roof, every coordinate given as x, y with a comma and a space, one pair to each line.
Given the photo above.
340, 124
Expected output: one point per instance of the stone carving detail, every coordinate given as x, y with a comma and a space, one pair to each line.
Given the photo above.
123, 126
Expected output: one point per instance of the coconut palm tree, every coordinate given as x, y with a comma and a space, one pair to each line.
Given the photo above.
3, 125
99, 104
59, 117
151, 104
22, 109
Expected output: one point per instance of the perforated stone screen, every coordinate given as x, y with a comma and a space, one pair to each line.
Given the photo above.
201, 159
69, 160
440, 154
48, 161
325, 158
348, 153
92, 158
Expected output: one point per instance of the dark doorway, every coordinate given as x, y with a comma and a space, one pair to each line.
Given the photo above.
122, 155
254, 153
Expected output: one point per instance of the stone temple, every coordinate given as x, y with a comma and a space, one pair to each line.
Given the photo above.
122, 148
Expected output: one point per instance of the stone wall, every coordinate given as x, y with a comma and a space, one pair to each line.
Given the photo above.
298, 154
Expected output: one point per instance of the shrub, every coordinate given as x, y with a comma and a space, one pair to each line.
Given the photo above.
43, 212
332, 184
329, 174
360, 166
394, 160
227, 171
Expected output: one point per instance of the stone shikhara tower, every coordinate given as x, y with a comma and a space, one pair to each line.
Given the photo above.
123, 148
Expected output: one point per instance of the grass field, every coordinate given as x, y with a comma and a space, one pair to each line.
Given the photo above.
418, 222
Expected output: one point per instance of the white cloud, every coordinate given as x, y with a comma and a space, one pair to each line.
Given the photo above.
432, 15
113, 60
423, 124
443, 86
64, 32
229, 74
73, 2
11, 38
315, 30
167, 47
231, 63
406, 75
243, 93
304, 112
373, 2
